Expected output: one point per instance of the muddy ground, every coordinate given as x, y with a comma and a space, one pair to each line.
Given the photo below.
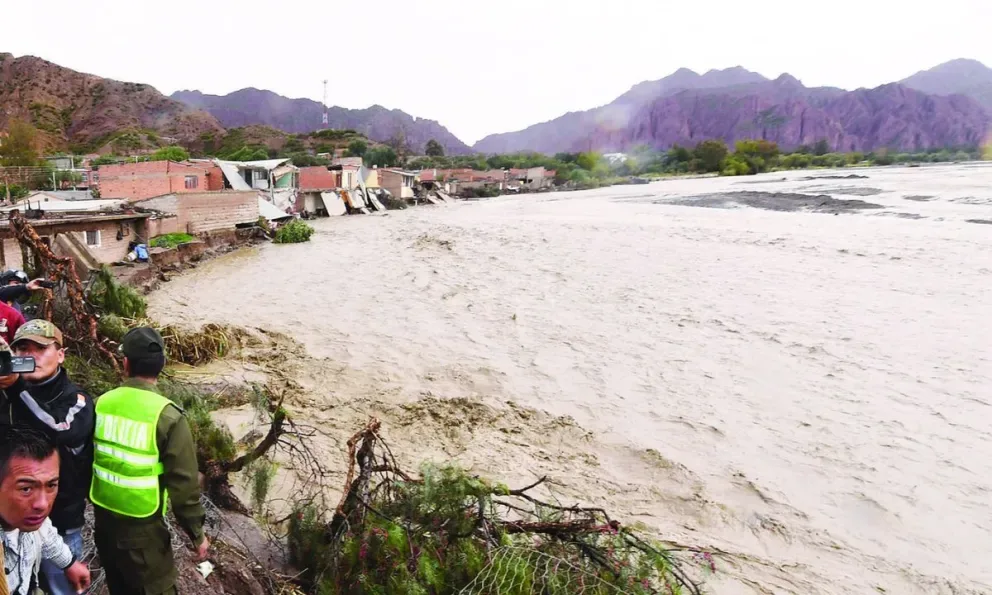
773, 201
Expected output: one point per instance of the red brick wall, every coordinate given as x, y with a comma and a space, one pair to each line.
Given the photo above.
391, 181
199, 212
317, 178
136, 181
215, 178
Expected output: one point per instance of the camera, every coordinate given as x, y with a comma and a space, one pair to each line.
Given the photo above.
13, 364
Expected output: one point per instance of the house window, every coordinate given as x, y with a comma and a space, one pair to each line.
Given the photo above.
192, 182
93, 238
94, 177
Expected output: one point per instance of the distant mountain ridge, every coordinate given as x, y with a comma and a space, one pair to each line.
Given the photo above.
735, 104
563, 133
964, 77
945, 106
256, 106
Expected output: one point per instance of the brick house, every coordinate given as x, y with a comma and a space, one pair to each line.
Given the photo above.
202, 212
91, 239
399, 183
138, 181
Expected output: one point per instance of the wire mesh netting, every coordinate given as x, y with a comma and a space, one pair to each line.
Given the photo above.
515, 570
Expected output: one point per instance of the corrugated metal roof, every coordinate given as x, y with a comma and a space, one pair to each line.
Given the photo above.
270, 211
63, 194
66, 206
232, 174
266, 164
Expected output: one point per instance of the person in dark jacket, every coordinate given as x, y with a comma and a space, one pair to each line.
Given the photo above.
14, 285
48, 401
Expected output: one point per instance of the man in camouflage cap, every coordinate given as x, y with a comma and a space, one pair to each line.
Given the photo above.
49, 402
144, 454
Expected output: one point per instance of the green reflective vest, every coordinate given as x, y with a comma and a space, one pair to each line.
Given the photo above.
126, 466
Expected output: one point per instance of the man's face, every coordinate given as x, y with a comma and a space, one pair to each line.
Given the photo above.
28, 492
47, 359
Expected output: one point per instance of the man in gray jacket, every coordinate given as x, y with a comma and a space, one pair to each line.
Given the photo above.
29, 481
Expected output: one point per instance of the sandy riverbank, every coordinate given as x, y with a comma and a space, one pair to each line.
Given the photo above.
801, 390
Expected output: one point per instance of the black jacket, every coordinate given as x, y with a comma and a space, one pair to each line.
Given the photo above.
66, 415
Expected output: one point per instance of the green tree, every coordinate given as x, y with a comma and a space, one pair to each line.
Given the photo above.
293, 145
796, 161
18, 149
173, 153
822, 147
358, 148
588, 160
709, 155
735, 165
381, 157
759, 155
434, 149
678, 154
306, 160
105, 160
62, 179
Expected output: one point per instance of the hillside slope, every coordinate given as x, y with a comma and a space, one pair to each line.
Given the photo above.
255, 106
71, 108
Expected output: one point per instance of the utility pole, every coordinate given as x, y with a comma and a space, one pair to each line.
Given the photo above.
325, 104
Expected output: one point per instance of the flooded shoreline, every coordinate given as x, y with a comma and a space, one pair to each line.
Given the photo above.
803, 391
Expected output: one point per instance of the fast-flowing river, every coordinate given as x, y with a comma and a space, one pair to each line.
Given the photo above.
821, 376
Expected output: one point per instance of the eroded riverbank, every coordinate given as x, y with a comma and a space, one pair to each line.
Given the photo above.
803, 391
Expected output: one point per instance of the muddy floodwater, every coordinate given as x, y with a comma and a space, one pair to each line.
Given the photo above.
794, 368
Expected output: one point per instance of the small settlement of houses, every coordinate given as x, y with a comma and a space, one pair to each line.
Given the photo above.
219, 201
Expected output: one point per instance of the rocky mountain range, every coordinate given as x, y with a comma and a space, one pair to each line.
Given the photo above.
946, 106
736, 104
254, 106
70, 108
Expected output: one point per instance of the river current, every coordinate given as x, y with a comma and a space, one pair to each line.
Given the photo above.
822, 376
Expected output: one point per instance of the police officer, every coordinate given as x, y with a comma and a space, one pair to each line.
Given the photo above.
144, 454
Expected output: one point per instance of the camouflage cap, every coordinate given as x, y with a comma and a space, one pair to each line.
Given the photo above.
38, 331
3, 346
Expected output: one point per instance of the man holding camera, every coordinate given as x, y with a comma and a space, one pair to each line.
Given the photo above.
14, 285
47, 401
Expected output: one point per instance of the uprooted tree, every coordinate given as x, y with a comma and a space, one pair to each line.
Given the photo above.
442, 532
449, 532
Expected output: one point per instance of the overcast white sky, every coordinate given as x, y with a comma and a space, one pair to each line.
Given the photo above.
493, 66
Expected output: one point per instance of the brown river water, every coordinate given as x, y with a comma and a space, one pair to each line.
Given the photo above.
809, 391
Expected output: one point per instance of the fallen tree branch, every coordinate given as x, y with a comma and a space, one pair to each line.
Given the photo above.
271, 438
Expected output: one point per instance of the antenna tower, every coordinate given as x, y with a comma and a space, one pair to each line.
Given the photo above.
325, 103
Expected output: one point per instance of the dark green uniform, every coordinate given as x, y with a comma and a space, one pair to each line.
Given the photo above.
137, 553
